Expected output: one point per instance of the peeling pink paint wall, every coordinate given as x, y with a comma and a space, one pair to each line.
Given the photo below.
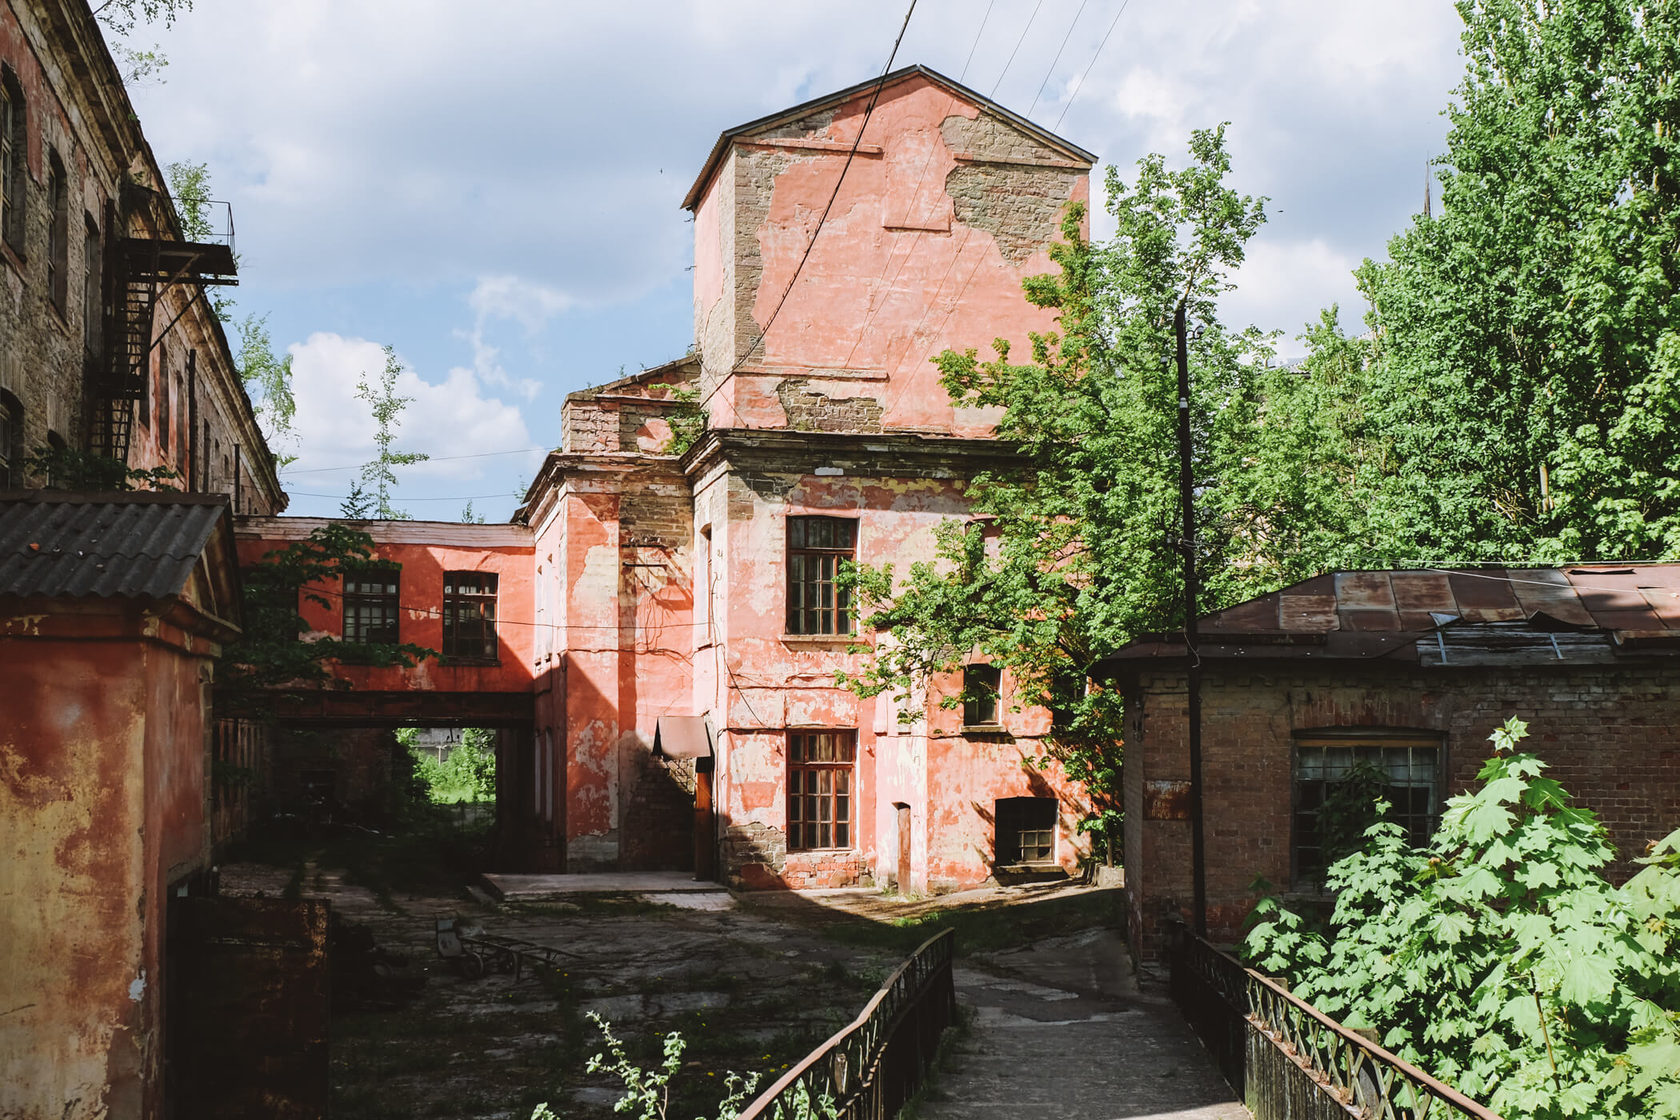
102, 806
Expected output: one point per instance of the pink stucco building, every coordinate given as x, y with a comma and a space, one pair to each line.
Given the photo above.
686, 601
666, 624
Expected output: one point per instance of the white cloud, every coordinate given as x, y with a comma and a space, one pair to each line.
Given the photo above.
447, 420
1283, 283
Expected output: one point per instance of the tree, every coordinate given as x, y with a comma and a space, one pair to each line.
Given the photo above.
1499, 958
270, 652
121, 17
1076, 555
1523, 380
379, 473
267, 378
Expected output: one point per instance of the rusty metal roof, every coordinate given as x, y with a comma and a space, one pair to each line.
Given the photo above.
116, 545
1448, 616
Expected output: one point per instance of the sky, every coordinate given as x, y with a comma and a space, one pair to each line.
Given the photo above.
493, 189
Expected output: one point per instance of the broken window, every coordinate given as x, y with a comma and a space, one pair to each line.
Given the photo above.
370, 605
820, 789
469, 615
981, 687
816, 547
1340, 776
13, 145
1026, 830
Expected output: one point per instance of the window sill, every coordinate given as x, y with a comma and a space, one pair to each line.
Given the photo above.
991, 730
471, 662
820, 639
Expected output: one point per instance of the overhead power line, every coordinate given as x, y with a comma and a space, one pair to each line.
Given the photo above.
847, 166
1048, 74
1016, 51
1093, 62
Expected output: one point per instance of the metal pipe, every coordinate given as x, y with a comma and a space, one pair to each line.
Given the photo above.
1193, 667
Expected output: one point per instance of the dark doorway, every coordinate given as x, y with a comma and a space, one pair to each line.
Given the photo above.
245, 1004
903, 881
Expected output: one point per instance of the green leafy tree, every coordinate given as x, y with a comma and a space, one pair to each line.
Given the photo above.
271, 652
380, 473
1523, 384
1076, 554
120, 18
468, 774
267, 377
1499, 958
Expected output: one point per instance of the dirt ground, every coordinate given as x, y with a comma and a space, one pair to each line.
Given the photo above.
753, 982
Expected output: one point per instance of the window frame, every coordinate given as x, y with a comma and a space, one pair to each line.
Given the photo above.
832, 605
821, 783
485, 645
14, 157
982, 689
1420, 825
58, 232
1010, 814
387, 601
11, 442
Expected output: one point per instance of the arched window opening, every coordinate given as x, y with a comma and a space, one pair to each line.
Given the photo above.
58, 233
11, 442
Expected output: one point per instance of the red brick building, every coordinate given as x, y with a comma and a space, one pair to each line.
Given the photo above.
1409, 671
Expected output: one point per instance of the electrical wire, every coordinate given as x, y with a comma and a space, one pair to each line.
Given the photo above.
1048, 73
1076, 89
868, 111
1016, 51
976, 43
429, 459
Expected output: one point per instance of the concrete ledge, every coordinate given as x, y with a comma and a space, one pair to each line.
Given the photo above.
536, 888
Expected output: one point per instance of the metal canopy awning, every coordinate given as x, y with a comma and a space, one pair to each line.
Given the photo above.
677, 737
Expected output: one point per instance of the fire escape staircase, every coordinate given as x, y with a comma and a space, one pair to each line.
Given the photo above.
139, 269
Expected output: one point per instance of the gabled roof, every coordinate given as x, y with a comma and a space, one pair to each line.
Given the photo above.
804, 109
1491, 615
116, 546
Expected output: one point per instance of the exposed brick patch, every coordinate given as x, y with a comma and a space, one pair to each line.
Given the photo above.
810, 411
1020, 207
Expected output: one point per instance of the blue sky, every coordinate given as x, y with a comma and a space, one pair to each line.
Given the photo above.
497, 197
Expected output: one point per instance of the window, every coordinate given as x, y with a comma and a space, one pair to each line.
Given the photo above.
93, 306
1026, 830
817, 546
981, 685
11, 442
163, 398
469, 615
1339, 775
58, 233
370, 605
13, 153
820, 788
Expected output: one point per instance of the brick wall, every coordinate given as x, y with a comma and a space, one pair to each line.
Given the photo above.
1609, 734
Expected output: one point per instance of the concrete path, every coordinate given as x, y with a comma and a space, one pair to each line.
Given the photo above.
1061, 1032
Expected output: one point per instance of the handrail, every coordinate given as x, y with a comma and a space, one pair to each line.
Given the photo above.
869, 1067
1360, 1073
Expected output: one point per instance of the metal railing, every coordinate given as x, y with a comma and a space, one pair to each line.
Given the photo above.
1291, 1059
871, 1067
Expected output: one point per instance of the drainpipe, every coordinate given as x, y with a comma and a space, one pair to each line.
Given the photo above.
1193, 668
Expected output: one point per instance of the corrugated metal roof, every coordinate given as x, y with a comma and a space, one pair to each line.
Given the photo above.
1491, 615
119, 545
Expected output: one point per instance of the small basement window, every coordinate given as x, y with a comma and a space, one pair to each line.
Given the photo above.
1026, 830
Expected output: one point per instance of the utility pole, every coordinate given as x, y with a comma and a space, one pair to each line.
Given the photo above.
1193, 666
